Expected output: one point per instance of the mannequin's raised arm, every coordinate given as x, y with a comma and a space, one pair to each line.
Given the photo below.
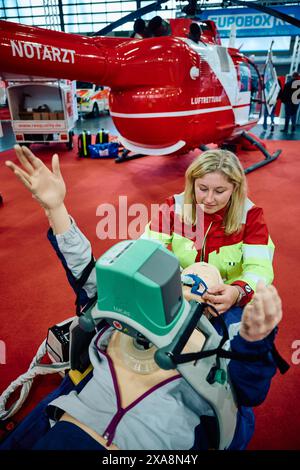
46, 186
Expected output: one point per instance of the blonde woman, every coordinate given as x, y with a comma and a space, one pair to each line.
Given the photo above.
214, 221
211, 221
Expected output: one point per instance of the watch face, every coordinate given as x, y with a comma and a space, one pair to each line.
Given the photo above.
247, 289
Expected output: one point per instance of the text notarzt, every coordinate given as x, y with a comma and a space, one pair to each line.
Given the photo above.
31, 50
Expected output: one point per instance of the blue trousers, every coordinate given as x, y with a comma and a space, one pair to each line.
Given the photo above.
266, 114
290, 115
36, 424
67, 436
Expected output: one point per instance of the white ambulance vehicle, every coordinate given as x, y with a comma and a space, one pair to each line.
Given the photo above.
91, 99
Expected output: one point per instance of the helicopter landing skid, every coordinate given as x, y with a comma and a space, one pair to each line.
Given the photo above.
268, 157
124, 157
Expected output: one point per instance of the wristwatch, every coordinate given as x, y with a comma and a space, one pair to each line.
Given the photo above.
241, 294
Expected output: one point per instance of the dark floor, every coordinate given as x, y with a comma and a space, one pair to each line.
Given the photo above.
277, 134
94, 124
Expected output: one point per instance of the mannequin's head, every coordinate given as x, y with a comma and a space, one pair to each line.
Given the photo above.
208, 273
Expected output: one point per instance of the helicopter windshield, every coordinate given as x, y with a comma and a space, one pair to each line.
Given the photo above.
250, 83
256, 93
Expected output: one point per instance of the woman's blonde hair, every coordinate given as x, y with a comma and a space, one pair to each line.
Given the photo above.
226, 163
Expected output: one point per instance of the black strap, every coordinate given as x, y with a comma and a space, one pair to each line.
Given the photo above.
281, 363
219, 352
79, 283
224, 338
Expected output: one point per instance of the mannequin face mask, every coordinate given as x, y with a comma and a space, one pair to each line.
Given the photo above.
138, 354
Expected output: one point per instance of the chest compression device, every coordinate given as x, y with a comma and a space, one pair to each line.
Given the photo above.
140, 294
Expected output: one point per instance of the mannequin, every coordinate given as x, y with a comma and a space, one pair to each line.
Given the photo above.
136, 370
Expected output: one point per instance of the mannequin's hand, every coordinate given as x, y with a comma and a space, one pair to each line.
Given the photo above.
46, 186
262, 314
222, 297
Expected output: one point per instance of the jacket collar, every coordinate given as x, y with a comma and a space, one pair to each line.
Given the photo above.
217, 216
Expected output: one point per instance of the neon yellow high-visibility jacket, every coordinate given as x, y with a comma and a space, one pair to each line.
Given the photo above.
242, 258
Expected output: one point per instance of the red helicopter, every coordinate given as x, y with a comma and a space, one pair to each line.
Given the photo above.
169, 94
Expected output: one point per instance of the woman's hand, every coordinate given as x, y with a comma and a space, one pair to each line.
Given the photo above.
222, 297
47, 187
262, 314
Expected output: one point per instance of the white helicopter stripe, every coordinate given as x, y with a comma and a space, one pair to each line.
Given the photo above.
241, 105
171, 114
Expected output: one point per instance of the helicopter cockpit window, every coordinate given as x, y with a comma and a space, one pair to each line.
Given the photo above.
245, 78
256, 93
249, 81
